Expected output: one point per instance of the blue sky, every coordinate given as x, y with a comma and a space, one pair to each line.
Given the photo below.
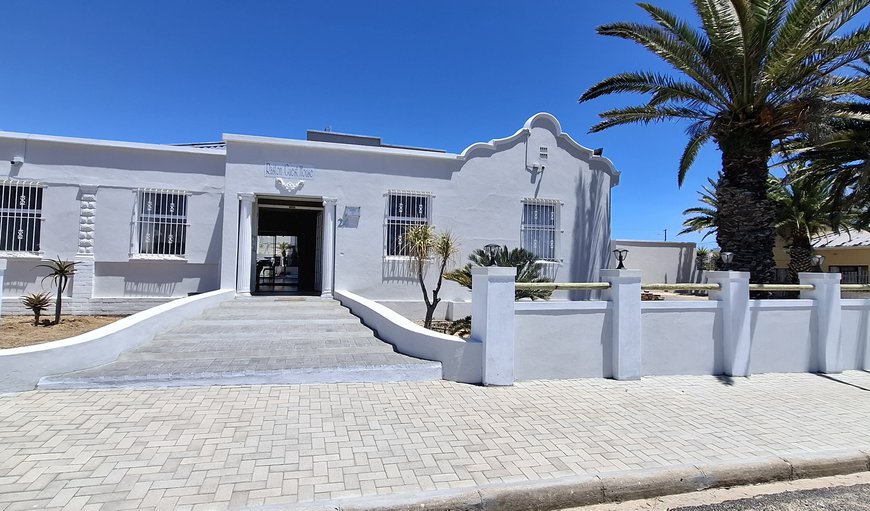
439, 74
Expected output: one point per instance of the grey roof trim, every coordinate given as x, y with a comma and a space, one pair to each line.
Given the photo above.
25, 137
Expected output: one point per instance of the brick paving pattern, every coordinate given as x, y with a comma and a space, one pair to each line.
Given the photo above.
232, 447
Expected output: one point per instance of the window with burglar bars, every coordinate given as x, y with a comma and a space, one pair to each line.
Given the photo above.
851, 274
404, 209
20, 216
540, 228
162, 222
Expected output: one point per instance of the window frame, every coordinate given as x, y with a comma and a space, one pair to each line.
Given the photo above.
861, 272
33, 243
555, 229
161, 220
394, 223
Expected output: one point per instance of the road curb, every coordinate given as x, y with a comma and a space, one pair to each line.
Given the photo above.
584, 490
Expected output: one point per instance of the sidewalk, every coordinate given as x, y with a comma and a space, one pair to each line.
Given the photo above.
232, 447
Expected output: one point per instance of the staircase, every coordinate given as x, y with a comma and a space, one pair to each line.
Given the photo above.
260, 340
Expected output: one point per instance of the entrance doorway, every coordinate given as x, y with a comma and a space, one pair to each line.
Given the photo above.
288, 246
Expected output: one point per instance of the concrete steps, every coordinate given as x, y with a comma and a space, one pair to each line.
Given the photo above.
263, 340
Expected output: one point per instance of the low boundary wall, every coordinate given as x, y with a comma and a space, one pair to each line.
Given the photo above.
21, 368
460, 359
625, 338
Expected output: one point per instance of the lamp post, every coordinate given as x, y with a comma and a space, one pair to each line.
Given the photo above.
818, 260
727, 257
620, 255
492, 249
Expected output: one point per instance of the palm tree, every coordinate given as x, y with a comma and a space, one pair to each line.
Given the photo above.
424, 244
526, 263
802, 210
757, 72
839, 150
60, 272
705, 217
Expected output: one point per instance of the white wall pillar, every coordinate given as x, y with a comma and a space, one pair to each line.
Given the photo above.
328, 239
624, 296
2, 278
733, 294
246, 244
83, 280
828, 312
492, 321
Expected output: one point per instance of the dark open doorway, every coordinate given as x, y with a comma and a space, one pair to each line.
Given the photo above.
287, 247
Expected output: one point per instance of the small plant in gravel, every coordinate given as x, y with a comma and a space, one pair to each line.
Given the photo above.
38, 303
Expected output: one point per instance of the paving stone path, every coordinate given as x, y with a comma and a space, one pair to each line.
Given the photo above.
255, 341
235, 446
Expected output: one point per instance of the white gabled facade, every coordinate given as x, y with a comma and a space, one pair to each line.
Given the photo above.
151, 222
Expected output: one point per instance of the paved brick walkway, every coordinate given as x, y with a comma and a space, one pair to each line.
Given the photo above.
230, 447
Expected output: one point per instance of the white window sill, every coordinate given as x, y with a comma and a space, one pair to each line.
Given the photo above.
157, 257
21, 255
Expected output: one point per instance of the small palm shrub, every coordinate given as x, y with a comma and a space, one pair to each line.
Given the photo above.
60, 272
528, 270
37, 303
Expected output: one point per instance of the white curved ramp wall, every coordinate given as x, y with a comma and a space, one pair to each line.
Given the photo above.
461, 360
21, 368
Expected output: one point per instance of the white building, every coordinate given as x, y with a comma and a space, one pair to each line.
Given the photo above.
147, 222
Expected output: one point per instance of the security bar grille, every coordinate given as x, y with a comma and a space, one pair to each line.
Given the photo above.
404, 209
162, 222
540, 227
20, 216
852, 274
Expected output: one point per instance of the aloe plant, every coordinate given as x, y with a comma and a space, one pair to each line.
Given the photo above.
38, 303
60, 272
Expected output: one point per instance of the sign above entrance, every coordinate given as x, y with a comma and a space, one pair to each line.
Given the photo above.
285, 170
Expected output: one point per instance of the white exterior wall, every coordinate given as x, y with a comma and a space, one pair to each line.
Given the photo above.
681, 338
574, 340
563, 340
117, 169
660, 261
477, 196
855, 335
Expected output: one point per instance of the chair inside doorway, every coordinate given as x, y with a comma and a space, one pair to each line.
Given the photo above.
286, 251
277, 264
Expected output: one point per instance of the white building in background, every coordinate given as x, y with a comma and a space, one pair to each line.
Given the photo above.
147, 222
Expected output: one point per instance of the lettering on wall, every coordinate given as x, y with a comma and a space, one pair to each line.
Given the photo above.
286, 170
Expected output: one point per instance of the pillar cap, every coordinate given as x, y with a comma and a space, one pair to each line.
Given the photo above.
828, 277
495, 271
732, 275
613, 273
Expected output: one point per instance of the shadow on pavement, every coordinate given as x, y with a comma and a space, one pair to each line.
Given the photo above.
829, 377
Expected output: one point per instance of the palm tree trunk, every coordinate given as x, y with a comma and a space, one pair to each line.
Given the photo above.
800, 257
746, 215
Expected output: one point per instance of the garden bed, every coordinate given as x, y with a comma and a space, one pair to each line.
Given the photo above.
18, 331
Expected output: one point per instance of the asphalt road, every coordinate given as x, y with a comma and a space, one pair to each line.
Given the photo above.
842, 498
